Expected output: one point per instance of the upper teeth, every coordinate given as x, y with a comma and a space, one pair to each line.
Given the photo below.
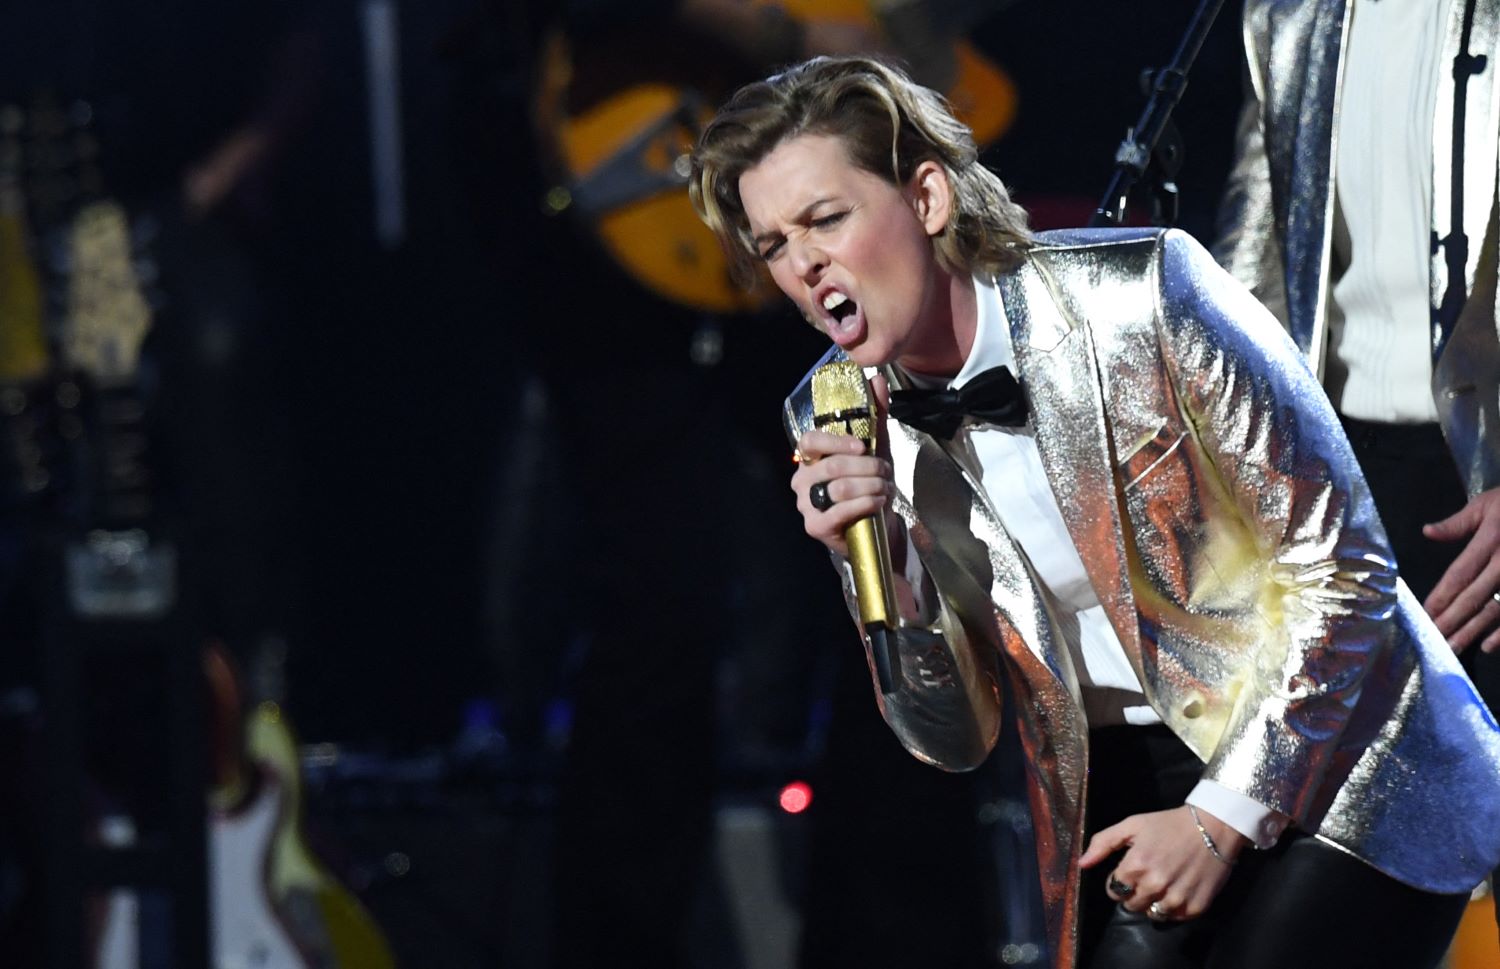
834, 299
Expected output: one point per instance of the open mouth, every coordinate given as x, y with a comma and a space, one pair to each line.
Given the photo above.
839, 306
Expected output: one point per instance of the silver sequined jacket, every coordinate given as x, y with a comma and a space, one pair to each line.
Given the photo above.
1233, 543
1277, 220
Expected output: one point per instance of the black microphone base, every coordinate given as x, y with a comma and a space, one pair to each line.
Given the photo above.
883, 651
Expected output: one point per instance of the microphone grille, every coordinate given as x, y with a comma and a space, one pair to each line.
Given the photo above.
841, 401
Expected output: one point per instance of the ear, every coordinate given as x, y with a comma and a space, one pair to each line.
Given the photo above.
931, 195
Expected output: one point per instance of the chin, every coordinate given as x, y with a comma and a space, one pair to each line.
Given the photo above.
865, 356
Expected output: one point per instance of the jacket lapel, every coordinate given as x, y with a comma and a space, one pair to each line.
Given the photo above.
955, 529
1307, 153
948, 498
1058, 368
1473, 134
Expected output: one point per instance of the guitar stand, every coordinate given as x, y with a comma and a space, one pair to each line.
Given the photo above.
166, 862
1154, 144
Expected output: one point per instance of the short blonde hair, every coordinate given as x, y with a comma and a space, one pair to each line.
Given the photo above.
888, 124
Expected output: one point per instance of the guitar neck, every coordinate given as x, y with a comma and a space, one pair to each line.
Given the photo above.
122, 481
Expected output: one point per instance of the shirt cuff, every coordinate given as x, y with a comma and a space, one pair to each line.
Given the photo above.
1246, 815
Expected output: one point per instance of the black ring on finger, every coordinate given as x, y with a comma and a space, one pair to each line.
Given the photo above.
1119, 888
819, 496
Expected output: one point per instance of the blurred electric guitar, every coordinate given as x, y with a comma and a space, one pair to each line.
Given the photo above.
325, 918
272, 905
119, 567
617, 145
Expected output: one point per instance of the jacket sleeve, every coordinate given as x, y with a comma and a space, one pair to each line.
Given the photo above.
946, 707
1279, 458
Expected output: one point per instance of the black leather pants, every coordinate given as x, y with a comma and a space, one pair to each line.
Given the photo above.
1301, 905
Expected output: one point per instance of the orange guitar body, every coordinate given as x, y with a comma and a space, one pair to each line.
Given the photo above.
1477, 943
621, 160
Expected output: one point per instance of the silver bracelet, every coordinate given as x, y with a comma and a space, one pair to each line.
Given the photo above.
1208, 840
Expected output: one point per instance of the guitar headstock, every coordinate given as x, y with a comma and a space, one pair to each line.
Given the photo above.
102, 314
106, 316
89, 305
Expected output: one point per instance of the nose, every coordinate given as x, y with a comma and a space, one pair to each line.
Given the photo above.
808, 260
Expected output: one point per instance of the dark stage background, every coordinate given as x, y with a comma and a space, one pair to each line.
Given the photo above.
506, 535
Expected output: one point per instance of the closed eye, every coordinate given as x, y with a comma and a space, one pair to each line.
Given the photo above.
773, 250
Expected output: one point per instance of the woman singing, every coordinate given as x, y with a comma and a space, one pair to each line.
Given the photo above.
1116, 488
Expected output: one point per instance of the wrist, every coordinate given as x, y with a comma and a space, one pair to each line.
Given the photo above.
1220, 839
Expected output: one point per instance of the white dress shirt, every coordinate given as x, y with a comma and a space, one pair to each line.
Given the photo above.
1006, 462
1379, 329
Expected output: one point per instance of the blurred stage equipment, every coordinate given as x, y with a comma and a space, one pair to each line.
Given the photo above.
141, 873
273, 904
1154, 146
450, 848
617, 125
114, 600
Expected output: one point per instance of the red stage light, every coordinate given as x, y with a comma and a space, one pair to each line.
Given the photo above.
795, 797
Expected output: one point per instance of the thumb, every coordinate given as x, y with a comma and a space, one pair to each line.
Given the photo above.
880, 391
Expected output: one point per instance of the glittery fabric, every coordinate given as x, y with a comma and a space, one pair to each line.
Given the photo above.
1231, 539
1276, 224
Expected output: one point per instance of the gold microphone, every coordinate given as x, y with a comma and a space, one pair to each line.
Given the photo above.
842, 404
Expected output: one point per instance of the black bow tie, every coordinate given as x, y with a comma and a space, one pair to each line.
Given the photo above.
993, 397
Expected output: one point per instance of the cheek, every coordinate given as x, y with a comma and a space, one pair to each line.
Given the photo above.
785, 280
892, 251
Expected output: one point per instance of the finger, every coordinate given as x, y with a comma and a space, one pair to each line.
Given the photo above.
814, 445
841, 514
1470, 601
829, 527
1104, 844
840, 466
845, 490
1456, 525
1458, 577
1141, 899
1483, 621
1173, 901
1491, 642
881, 391
1117, 887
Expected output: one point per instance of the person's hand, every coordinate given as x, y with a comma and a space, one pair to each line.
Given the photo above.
1463, 602
859, 484
1166, 861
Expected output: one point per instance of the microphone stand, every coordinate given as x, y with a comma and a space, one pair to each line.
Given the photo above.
1144, 142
